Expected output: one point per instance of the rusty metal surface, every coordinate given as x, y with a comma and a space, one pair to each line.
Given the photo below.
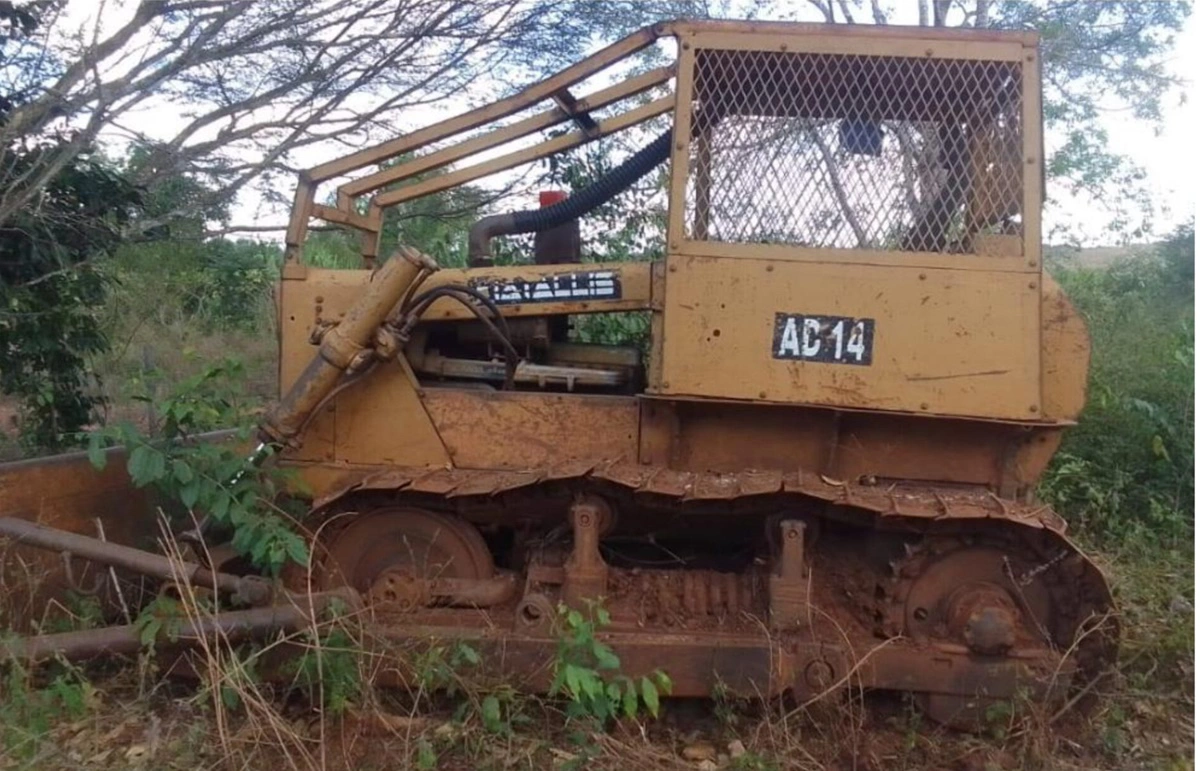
403, 558
67, 492
1066, 353
754, 665
519, 431
945, 369
250, 589
894, 500
344, 346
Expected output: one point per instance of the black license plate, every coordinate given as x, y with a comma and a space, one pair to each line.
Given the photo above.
832, 339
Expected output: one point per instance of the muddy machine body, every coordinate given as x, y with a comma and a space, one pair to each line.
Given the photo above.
817, 474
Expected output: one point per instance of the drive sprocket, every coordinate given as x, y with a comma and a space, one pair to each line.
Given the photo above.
1000, 594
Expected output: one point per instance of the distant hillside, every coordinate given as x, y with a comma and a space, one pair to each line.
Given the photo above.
1093, 256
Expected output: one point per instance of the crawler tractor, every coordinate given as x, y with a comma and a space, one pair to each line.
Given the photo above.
817, 473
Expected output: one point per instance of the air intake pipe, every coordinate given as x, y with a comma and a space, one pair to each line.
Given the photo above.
603, 190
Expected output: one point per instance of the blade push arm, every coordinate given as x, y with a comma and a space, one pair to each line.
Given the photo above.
346, 347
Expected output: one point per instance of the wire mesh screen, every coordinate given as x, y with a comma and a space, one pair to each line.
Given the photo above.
853, 151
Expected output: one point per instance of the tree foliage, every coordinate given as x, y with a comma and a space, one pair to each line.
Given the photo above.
49, 291
259, 82
1127, 470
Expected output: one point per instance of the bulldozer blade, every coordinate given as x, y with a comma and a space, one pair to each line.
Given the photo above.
67, 492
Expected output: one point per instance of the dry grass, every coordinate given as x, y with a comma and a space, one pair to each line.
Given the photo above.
228, 715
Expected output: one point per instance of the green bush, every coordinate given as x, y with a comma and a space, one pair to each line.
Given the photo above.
216, 479
214, 285
1126, 471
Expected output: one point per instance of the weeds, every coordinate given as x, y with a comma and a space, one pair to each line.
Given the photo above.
1125, 474
216, 479
329, 672
29, 710
587, 673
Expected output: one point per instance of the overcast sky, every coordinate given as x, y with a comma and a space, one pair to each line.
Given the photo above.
1170, 159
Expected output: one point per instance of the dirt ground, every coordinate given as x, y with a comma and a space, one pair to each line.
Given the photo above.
130, 715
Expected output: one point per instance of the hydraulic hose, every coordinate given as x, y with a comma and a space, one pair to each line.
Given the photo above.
578, 204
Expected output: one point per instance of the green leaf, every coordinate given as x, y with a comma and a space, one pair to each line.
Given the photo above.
663, 681
468, 654
590, 684
95, 451
572, 678
258, 550
220, 506
145, 465
629, 704
650, 696
189, 493
559, 681
297, 550
426, 757
605, 658
230, 697
182, 471
149, 631
490, 711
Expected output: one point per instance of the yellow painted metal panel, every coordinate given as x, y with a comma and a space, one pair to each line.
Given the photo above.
944, 342
521, 431
382, 420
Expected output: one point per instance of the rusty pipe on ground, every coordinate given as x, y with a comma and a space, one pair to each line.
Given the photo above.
233, 625
250, 589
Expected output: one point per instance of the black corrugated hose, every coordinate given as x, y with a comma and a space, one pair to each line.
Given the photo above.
578, 204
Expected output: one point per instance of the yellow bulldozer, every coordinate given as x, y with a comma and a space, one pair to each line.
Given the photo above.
818, 474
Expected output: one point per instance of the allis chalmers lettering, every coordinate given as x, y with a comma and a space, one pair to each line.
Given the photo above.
577, 285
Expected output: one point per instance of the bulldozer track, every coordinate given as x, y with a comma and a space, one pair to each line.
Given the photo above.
932, 519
